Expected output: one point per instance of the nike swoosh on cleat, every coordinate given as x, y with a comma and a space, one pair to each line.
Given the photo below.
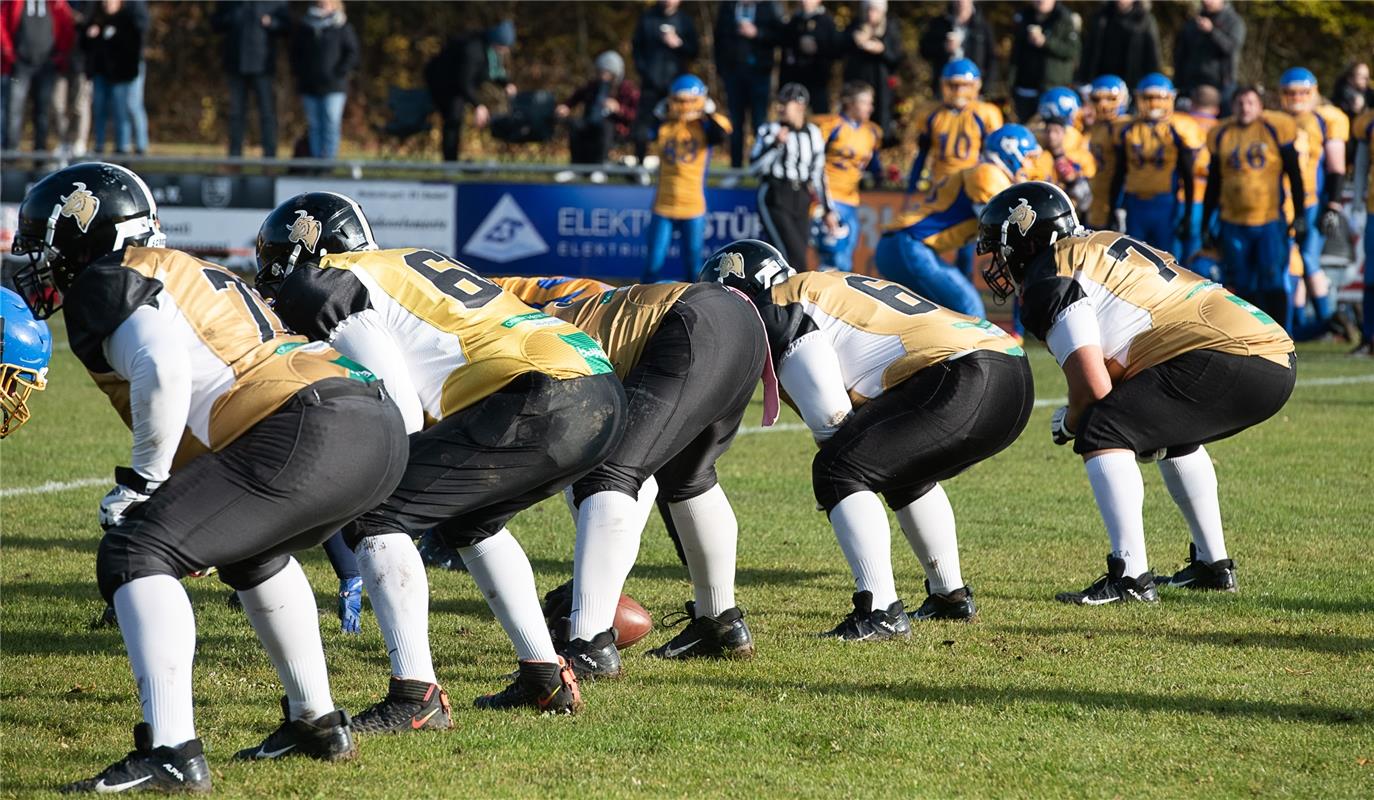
265, 753
416, 723
549, 699
101, 787
1089, 601
674, 652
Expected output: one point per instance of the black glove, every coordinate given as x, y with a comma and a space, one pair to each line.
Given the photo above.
1299, 228
1329, 223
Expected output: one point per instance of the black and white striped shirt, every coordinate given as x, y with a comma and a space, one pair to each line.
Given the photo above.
800, 158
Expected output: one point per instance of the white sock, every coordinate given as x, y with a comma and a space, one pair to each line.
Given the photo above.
503, 574
1120, 493
160, 635
929, 527
394, 575
861, 527
608, 530
1192, 482
283, 613
709, 532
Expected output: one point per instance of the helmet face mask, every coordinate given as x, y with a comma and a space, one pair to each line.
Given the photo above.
1154, 96
1298, 90
959, 92
1110, 96
1019, 224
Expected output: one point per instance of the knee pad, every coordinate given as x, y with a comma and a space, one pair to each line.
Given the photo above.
247, 574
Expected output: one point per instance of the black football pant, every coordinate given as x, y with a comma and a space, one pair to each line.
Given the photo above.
472, 471
1186, 402
334, 450
685, 398
928, 428
785, 210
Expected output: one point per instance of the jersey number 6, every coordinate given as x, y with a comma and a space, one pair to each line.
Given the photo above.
452, 278
894, 296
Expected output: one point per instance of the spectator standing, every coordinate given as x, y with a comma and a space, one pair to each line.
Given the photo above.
663, 47
961, 32
1044, 51
114, 53
808, 53
746, 35
1352, 93
134, 107
873, 52
1122, 40
36, 35
608, 104
250, 31
71, 96
324, 53
455, 77
1207, 49
789, 159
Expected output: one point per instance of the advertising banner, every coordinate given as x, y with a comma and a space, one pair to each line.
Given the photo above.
401, 213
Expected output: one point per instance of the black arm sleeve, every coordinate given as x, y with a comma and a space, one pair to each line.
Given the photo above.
313, 301
104, 295
1335, 186
1293, 170
1212, 197
784, 324
1187, 158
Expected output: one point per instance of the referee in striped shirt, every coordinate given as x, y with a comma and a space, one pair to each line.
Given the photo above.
789, 160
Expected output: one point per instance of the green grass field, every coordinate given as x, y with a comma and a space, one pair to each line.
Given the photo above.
1269, 693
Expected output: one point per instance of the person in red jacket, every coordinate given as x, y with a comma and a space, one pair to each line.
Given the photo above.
35, 36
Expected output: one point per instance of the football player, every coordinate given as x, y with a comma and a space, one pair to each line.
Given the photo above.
945, 217
25, 349
1250, 153
690, 356
1159, 361
689, 128
851, 148
950, 137
1205, 112
1110, 99
505, 407
1323, 131
899, 394
218, 396
1363, 133
1154, 159
1065, 158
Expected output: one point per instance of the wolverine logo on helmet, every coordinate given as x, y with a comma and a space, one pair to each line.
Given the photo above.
80, 205
305, 230
732, 264
1023, 217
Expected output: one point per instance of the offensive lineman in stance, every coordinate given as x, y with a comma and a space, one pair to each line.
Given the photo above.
218, 395
690, 356
506, 406
1159, 361
900, 394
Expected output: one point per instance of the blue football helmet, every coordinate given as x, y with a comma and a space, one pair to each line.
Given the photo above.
1297, 90
25, 350
960, 82
1154, 96
1012, 147
1110, 96
687, 97
1060, 104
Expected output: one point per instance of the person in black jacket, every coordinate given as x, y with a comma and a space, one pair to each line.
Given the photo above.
1207, 49
873, 52
1121, 40
664, 46
114, 48
808, 53
250, 32
455, 77
961, 32
1044, 51
747, 32
324, 53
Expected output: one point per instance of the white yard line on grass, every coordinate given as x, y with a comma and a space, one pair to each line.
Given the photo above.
745, 430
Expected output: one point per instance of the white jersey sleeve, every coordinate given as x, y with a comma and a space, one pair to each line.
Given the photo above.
158, 369
365, 338
810, 374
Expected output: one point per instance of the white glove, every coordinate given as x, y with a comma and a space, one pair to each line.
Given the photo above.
130, 490
1059, 426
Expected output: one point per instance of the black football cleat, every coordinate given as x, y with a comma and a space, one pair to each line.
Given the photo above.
327, 738
593, 659
1214, 576
866, 624
151, 769
1114, 587
549, 688
723, 636
408, 706
957, 605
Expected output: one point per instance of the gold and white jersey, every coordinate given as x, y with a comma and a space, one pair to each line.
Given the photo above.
882, 333
1139, 306
621, 320
460, 336
243, 364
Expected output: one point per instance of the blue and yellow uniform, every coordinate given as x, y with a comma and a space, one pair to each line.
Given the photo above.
1202, 164
1363, 133
1076, 150
1155, 160
850, 148
1102, 145
539, 292
1247, 187
1316, 127
949, 140
685, 138
945, 217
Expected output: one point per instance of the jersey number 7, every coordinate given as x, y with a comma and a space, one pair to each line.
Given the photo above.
1123, 247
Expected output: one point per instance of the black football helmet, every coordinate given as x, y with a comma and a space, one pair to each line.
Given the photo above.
749, 265
73, 217
303, 230
1017, 225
